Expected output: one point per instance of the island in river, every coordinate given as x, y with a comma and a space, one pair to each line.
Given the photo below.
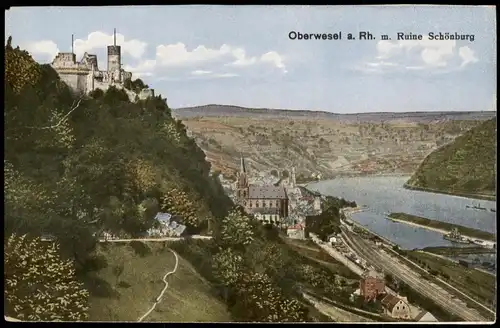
440, 226
381, 195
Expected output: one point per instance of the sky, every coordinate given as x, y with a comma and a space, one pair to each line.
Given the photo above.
244, 56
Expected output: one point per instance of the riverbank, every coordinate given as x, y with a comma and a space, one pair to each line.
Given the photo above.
356, 175
457, 251
444, 192
441, 227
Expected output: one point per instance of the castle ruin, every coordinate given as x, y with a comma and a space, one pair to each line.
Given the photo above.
84, 76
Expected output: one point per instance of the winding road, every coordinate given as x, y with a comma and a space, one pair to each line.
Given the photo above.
158, 299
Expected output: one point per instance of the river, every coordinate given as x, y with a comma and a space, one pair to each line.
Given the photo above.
383, 195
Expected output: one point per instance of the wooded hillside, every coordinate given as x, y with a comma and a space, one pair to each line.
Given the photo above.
466, 166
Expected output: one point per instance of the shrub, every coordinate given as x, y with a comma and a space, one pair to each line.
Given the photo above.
39, 285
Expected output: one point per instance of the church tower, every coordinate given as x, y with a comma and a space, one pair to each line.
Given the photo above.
242, 184
115, 59
294, 181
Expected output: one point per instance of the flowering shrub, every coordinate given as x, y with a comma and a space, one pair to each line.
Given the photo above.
177, 202
39, 285
260, 301
236, 230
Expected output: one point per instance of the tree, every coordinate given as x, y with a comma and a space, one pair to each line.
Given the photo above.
285, 174
274, 173
259, 301
177, 202
39, 285
20, 69
114, 96
227, 268
96, 93
236, 231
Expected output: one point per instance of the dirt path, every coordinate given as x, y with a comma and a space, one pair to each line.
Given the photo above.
158, 299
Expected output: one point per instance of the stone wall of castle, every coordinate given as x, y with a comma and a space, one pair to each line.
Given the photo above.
84, 76
146, 93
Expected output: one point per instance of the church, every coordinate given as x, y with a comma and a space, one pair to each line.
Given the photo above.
267, 203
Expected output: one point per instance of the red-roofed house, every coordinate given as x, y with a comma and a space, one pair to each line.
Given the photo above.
296, 231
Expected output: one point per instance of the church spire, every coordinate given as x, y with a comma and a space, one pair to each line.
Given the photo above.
242, 164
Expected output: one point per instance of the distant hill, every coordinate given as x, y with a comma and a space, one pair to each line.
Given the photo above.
320, 142
465, 167
414, 117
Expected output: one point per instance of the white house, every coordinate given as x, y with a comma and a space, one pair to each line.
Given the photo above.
161, 228
396, 307
333, 240
296, 231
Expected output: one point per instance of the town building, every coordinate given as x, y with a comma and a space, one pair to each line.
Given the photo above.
84, 76
395, 307
296, 231
166, 226
267, 215
255, 198
372, 284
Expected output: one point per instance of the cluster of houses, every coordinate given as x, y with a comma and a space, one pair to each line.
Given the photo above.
373, 289
166, 226
275, 202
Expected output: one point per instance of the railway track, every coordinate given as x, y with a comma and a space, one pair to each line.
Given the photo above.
388, 264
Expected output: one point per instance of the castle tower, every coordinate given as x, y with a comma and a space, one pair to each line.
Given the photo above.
115, 59
242, 184
294, 182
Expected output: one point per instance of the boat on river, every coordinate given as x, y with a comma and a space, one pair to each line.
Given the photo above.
476, 207
455, 237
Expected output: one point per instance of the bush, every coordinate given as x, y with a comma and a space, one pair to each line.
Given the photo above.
39, 285
140, 248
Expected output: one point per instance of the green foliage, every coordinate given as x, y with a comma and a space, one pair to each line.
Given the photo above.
135, 86
113, 96
20, 69
96, 93
39, 285
236, 231
75, 167
259, 301
328, 222
228, 267
465, 166
140, 248
177, 202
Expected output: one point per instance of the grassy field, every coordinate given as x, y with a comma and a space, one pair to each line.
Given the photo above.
310, 250
478, 285
128, 296
470, 232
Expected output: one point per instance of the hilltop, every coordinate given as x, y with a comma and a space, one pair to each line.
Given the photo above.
76, 165
321, 142
213, 110
466, 166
